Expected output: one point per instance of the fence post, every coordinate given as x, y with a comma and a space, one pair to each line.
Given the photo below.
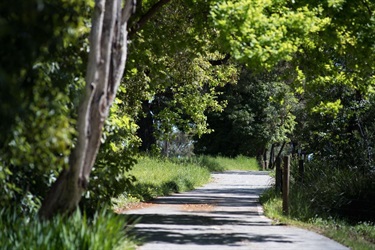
286, 175
301, 169
272, 156
265, 159
278, 178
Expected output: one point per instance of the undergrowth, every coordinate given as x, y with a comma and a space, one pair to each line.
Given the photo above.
105, 231
359, 236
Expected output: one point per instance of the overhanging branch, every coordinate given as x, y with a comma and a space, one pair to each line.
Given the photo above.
220, 61
146, 17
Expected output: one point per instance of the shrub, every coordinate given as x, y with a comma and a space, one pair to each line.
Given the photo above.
330, 191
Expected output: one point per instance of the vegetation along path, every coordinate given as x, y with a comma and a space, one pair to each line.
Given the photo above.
224, 214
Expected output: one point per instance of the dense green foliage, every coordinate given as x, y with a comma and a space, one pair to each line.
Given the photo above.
259, 112
170, 72
39, 88
332, 192
104, 231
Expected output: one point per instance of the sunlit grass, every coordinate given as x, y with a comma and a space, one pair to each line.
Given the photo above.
219, 163
238, 163
157, 177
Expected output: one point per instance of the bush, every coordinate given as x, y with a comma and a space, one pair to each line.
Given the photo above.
329, 191
105, 231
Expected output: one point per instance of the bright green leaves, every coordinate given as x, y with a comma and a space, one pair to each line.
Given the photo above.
261, 33
328, 108
170, 68
193, 87
335, 3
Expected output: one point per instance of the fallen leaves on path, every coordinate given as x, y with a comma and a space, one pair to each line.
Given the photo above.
197, 207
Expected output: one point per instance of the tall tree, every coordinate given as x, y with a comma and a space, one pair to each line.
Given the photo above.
170, 71
108, 51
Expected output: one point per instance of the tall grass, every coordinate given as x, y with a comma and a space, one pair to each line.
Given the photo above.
333, 192
333, 201
219, 163
238, 163
360, 236
156, 177
106, 231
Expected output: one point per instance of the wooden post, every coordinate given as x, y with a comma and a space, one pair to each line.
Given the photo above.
278, 175
272, 156
301, 170
265, 159
262, 163
286, 174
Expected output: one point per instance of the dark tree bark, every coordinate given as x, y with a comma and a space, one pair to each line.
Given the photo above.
108, 51
146, 128
272, 156
147, 16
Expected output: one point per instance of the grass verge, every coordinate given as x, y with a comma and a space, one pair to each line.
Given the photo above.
360, 236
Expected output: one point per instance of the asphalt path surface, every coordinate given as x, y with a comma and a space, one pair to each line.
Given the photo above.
224, 214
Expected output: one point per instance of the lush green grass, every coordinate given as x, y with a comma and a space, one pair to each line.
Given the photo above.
360, 236
219, 163
238, 163
105, 231
158, 177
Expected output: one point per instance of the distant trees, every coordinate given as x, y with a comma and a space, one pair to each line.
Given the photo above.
259, 113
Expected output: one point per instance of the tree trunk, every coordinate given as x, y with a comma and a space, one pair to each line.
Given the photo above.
146, 128
272, 156
108, 51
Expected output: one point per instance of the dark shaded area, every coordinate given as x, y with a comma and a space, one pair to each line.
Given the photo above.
146, 128
246, 125
229, 197
358, 210
155, 233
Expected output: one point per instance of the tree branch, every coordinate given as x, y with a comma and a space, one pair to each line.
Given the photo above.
146, 17
220, 61
367, 7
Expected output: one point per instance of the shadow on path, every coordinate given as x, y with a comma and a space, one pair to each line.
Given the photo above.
224, 214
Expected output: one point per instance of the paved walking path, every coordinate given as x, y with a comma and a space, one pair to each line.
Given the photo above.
224, 214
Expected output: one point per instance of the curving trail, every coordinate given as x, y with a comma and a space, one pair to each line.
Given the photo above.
224, 214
